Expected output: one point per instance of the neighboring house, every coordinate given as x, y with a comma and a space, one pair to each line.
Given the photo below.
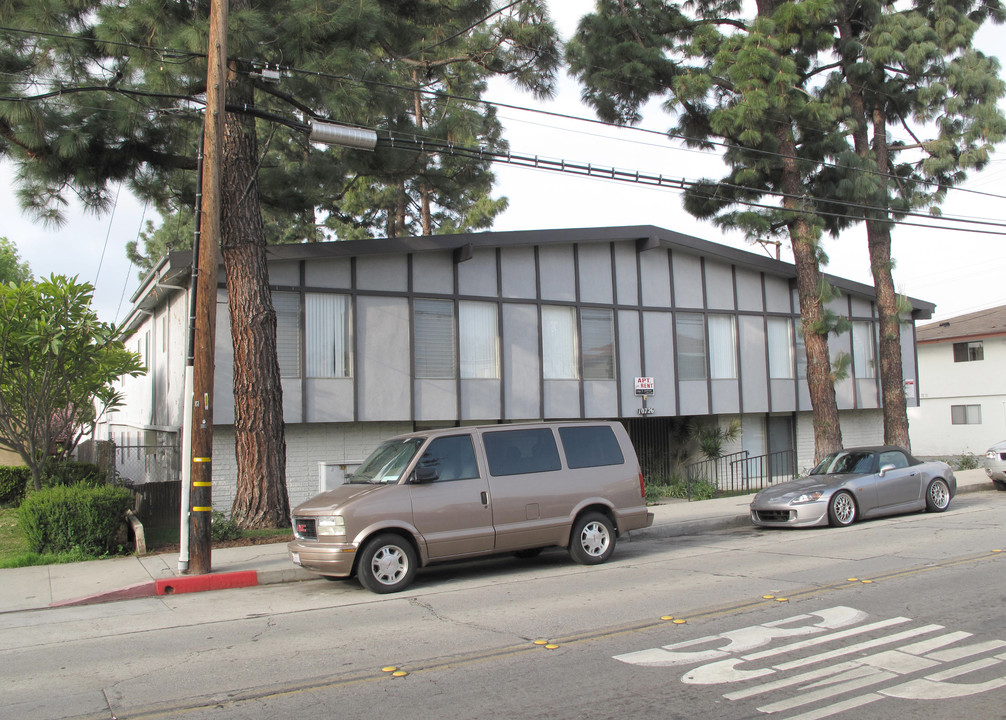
378, 337
963, 402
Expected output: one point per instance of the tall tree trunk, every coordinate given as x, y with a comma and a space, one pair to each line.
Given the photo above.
804, 239
260, 446
878, 234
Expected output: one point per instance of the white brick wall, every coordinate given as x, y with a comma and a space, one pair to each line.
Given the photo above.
306, 446
859, 427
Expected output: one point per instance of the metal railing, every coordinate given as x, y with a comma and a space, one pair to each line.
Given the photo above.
756, 473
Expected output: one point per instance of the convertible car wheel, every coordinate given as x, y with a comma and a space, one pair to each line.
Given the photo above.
937, 495
842, 509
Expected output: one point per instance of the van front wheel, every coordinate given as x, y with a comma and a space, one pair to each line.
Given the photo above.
387, 564
593, 539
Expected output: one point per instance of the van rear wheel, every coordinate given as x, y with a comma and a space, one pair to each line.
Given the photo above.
593, 539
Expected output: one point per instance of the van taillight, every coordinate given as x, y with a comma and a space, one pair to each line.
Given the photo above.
642, 486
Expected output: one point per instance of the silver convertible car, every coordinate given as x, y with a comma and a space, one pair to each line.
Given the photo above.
856, 483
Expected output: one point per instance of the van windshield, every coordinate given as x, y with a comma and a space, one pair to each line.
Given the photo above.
387, 463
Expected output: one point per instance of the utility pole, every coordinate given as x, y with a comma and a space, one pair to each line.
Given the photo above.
207, 270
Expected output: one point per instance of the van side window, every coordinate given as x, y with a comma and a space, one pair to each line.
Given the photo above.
453, 458
513, 452
591, 446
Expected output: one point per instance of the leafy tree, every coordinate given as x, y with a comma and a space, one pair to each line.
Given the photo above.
12, 268
113, 92
748, 82
915, 68
58, 366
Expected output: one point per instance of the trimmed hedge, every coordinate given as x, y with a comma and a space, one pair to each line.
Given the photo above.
70, 472
14, 482
64, 518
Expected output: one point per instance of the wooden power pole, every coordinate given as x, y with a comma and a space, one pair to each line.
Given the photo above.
207, 270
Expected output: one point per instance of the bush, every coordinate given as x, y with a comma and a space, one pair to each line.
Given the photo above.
69, 472
223, 527
675, 487
63, 518
13, 484
968, 461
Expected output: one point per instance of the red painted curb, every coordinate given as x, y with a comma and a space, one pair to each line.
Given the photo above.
199, 583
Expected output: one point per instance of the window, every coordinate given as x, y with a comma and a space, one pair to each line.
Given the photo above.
590, 446
558, 342
326, 324
598, 332
691, 344
287, 306
801, 355
968, 351
514, 452
722, 347
434, 328
780, 348
452, 457
893, 457
966, 414
478, 340
864, 354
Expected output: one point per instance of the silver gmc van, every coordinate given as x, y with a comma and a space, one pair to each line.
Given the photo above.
463, 492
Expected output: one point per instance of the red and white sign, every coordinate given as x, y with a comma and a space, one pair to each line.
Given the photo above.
644, 386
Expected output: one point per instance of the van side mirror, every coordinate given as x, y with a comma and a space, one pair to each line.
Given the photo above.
425, 475
884, 469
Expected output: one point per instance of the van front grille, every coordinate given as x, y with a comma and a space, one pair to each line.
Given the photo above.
305, 528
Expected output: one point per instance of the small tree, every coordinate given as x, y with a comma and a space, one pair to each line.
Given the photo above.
58, 363
12, 267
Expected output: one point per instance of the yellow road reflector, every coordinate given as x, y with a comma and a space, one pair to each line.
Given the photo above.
853, 579
782, 599
867, 582
680, 621
997, 551
768, 597
541, 642
390, 668
551, 646
667, 617
399, 673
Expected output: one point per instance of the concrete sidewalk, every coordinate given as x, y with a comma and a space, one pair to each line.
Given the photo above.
144, 576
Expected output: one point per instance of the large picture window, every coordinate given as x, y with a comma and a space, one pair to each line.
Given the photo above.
864, 353
478, 338
690, 339
558, 337
722, 347
326, 342
780, 348
434, 330
598, 331
287, 306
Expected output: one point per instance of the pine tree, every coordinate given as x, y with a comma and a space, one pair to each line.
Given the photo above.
745, 81
101, 92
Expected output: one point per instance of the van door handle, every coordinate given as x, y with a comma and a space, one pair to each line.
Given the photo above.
485, 498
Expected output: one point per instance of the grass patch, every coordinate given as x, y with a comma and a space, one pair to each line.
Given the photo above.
14, 551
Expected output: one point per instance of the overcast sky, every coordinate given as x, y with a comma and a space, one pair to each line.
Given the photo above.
958, 271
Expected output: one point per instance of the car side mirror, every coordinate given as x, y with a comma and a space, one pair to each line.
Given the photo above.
885, 468
425, 475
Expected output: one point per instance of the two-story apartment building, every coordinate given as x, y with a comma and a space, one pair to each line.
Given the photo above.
378, 337
962, 405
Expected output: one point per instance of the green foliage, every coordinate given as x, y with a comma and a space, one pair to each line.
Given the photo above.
13, 483
676, 487
65, 518
58, 368
69, 472
12, 268
967, 461
223, 527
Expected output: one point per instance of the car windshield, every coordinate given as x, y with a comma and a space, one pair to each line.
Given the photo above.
387, 463
845, 462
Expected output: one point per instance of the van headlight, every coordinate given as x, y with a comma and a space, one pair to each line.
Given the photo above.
331, 525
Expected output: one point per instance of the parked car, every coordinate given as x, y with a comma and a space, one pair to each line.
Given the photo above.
994, 463
458, 493
856, 483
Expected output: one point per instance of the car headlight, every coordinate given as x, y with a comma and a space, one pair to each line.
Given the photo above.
806, 498
332, 525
